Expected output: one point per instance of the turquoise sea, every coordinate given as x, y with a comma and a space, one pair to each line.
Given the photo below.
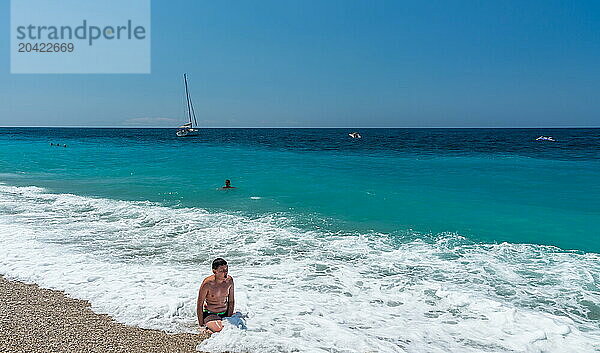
407, 240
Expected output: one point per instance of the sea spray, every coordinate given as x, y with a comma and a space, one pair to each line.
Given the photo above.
302, 290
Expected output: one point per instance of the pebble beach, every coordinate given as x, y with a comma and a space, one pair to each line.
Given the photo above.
34, 319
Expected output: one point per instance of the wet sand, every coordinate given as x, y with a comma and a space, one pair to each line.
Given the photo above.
33, 319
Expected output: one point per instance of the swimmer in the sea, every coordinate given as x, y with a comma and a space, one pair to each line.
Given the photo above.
228, 185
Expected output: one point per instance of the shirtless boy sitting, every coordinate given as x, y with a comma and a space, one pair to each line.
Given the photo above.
215, 298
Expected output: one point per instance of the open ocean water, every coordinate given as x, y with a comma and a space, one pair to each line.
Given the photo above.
407, 240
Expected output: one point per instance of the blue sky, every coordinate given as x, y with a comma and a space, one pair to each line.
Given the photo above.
337, 63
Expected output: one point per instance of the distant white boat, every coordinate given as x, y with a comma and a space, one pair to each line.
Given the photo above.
190, 128
355, 135
545, 138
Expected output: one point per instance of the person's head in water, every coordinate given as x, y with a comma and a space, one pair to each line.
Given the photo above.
228, 185
220, 268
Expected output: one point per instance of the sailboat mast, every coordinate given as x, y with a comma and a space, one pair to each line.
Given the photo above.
187, 96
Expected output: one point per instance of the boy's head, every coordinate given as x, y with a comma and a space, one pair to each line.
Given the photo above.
220, 268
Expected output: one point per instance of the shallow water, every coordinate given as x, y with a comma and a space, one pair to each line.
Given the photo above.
403, 241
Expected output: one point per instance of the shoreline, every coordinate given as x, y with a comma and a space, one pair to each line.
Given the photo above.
34, 319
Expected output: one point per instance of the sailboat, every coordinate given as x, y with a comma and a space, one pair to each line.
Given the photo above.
190, 128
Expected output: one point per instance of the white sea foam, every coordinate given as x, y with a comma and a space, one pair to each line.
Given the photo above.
303, 291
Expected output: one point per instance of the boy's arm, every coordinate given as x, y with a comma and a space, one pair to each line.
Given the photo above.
200, 304
231, 300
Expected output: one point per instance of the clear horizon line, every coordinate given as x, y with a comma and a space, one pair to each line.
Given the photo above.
302, 127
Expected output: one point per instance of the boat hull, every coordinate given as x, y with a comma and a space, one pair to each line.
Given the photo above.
187, 132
